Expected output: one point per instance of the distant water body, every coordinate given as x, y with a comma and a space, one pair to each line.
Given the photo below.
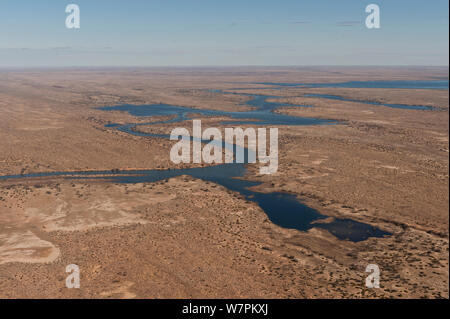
428, 85
395, 106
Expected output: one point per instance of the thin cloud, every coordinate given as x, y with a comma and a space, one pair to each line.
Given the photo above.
348, 23
61, 48
301, 22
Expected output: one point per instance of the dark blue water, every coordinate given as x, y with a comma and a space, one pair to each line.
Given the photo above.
281, 208
263, 113
396, 106
429, 85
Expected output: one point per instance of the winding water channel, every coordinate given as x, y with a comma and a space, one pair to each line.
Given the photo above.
283, 209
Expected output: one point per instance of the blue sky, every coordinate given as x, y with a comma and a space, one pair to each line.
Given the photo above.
216, 32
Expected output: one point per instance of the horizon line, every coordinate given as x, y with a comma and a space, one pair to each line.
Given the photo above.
224, 66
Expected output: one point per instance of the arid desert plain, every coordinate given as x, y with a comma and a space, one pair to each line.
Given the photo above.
185, 236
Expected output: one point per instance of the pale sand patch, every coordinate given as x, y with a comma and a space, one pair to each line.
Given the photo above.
26, 247
74, 209
61, 215
67, 214
319, 161
390, 166
121, 291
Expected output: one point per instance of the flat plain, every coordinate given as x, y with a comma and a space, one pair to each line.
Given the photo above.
188, 238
